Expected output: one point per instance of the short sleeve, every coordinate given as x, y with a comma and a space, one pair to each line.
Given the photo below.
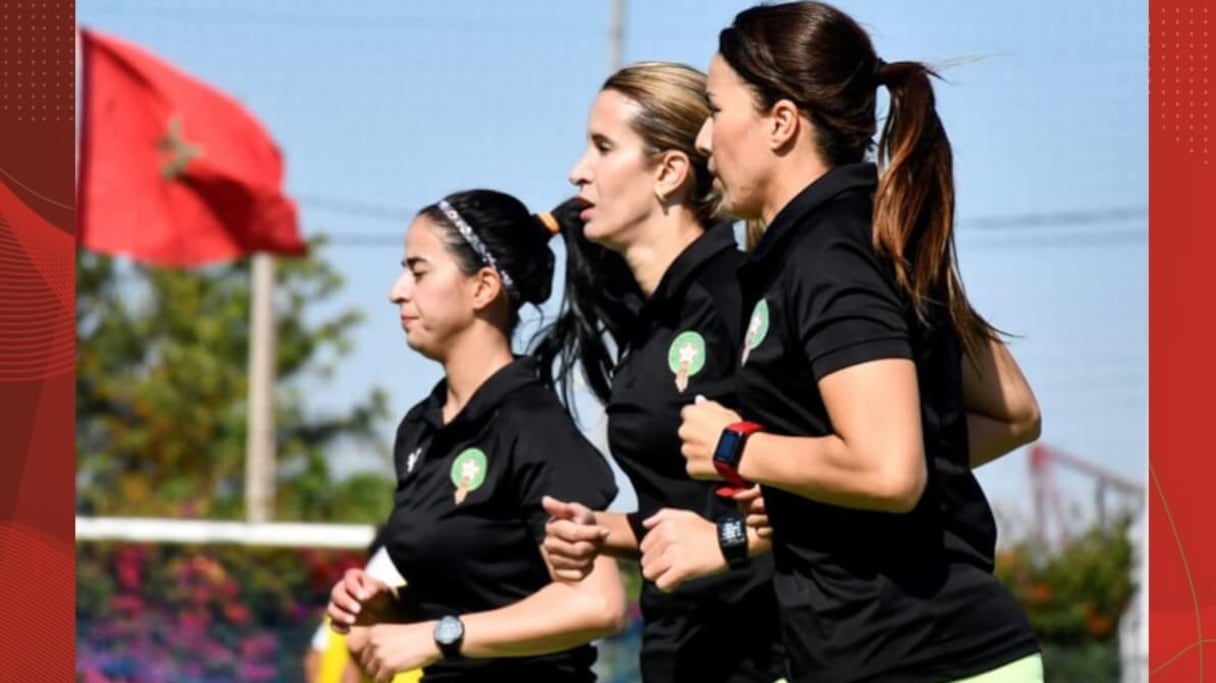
846, 307
381, 568
320, 637
635, 521
401, 443
552, 458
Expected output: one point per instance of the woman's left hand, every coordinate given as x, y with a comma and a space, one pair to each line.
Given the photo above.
701, 425
679, 546
390, 649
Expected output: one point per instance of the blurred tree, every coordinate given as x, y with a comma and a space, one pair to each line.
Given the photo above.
161, 393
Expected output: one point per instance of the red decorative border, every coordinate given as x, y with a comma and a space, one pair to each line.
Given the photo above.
37, 343
1182, 327
37, 339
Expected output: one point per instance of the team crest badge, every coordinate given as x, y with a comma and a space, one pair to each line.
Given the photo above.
757, 329
686, 357
468, 472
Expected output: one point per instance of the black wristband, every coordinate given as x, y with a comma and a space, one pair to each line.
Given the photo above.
732, 539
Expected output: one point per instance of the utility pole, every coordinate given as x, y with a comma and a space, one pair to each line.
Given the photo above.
260, 436
616, 37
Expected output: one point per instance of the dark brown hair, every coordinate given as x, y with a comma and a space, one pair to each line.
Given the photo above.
821, 60
517, 241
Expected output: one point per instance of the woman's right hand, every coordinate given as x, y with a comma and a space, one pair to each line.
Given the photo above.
358, 600
572, 539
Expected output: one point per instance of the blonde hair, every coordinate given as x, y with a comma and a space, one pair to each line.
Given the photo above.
671, 106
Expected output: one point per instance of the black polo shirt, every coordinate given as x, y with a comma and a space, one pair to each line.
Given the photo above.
686, 343
868, 595
467, 521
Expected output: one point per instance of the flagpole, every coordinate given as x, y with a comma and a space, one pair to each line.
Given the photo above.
260, 437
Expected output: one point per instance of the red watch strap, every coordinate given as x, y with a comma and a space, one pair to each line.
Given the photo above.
745, 427
735, 483
729, 491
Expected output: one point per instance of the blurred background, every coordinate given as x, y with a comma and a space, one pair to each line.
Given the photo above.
380, 107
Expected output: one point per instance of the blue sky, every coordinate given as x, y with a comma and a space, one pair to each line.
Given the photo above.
394, 104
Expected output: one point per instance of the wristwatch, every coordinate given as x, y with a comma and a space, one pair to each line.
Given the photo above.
728, 453
449, 634
732, 539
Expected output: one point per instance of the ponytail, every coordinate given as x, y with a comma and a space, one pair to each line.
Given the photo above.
914, 203
600, 304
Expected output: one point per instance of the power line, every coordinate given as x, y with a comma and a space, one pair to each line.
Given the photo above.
993, 231
352, 207
1051, 219
364, 209
1102, 238
1091, 238
1042, 220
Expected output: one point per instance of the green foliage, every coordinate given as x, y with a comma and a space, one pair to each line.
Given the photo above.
631, 576
1074, 596
1093, 662
199, 614
162, 387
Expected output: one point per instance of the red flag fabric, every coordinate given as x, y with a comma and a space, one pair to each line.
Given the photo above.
173, 172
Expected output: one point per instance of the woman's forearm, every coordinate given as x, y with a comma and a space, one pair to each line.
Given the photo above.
994, 387
989, 438
823, 469
621, 541
558, 617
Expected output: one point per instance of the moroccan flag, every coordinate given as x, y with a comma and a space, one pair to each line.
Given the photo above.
173, 172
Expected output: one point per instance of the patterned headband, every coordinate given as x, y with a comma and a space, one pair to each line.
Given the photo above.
466, 231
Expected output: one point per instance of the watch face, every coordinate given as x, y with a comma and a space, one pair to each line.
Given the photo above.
449, 630
728, 443
732, 532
